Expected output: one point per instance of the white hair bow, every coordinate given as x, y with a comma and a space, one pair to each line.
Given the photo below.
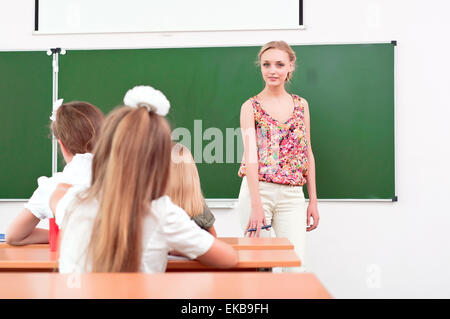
148, 97
56, 106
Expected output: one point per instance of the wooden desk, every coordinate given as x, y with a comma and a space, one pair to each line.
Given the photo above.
39, 258
258, 243
238, 243
248, 260
27, 258
212, 285
5, 245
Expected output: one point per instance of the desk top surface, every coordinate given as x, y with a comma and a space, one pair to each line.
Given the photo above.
258, 243
236, 242
246, 259
44, 259
27, 257
39, 256
192, 285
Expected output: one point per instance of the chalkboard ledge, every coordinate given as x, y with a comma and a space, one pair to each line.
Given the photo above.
231, 203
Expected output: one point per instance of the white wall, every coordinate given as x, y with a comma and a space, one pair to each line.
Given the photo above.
360, 250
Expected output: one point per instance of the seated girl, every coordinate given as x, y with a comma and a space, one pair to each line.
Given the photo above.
125, 222
185, 189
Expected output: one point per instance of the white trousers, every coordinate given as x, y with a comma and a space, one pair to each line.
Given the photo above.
285, 208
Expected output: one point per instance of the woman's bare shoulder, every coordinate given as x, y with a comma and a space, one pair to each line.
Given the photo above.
301, 99
247, 105
303, 102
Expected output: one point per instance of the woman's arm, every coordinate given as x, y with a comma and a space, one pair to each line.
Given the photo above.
311, 177
257, 216
23, 231
221, 255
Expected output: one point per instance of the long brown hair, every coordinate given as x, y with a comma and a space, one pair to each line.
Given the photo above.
130, 168
77, 125
184, 187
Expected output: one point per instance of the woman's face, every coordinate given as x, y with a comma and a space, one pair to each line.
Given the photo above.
275, 66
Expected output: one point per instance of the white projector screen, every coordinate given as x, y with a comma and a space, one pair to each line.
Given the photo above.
104, 16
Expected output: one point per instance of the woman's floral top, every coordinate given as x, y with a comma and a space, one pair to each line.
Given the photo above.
282, 147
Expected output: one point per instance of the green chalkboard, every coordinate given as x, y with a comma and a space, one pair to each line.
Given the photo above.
350, 90
25, 139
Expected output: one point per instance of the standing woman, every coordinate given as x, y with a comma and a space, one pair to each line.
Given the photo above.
278, 158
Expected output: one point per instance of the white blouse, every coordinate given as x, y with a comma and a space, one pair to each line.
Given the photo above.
77, 172
167, 227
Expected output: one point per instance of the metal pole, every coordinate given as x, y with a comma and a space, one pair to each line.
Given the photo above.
55, 98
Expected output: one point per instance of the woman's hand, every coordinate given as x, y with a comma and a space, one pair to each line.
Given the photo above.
256, 221
313, 212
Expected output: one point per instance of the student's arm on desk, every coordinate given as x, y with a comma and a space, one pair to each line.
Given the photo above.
220, 255
23, 231
210, 230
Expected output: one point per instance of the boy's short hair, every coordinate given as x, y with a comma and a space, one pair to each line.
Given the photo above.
77, 125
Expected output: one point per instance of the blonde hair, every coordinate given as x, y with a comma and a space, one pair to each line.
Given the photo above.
184, 183
130, 168
283, 46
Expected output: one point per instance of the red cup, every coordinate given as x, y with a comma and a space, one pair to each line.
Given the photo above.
53, 235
